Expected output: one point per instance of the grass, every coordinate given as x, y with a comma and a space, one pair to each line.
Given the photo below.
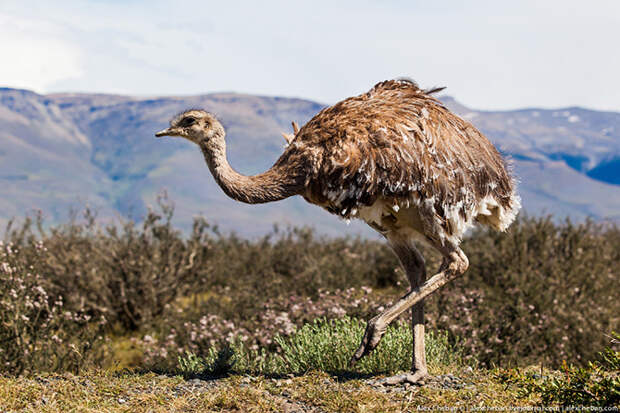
135, 392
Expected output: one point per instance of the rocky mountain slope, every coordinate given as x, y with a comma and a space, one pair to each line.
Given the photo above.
59, 152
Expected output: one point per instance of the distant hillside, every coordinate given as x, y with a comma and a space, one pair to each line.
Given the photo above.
61, 151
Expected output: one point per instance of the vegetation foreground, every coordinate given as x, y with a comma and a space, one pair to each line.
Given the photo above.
142, 318
315, 391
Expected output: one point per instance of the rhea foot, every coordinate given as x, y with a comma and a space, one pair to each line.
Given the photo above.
375, 329
417, 377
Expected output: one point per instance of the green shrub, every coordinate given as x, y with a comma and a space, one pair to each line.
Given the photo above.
328, 345
325, 345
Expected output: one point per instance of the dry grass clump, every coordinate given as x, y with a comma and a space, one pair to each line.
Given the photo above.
313, 392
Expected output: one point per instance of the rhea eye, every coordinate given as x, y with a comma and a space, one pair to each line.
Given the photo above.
188, 122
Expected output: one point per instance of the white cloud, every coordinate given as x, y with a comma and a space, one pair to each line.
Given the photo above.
490, 54
34, 55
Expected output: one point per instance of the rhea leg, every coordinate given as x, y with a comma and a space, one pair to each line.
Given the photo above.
455, 263
414, 266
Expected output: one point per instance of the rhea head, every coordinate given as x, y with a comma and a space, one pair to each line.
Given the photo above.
195, 125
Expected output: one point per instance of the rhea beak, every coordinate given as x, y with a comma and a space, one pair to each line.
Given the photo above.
166, 132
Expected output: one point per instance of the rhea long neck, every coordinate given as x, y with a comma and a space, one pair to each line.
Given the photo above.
273, 185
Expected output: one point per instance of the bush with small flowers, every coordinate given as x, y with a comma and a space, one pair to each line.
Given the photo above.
37, 331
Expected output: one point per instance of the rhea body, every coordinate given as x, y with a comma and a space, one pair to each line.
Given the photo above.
394, 157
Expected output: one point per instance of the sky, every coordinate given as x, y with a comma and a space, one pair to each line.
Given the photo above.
490, 55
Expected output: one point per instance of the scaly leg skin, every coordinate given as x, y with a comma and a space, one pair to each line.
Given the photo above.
419, 371
455, 264
414, 266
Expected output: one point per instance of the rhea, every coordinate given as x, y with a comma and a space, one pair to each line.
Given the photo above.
394, 157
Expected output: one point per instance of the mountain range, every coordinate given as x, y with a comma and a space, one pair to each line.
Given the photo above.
60, 152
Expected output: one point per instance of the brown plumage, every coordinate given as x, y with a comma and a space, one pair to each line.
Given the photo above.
398, 144
394, 157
